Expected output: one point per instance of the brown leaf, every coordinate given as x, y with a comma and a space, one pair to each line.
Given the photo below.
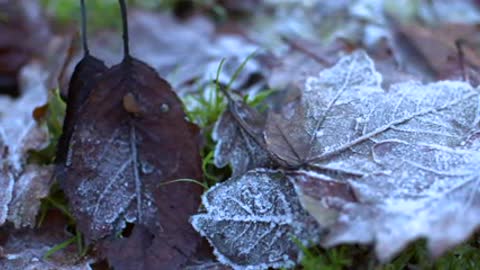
121, 159
439, 50
31, 186
80, 85
26, 249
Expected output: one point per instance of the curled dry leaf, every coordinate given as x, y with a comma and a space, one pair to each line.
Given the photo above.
252, 221
239, 138
392, 156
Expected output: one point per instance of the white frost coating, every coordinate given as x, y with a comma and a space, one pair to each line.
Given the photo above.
6, 191
20, 133
414, 169
442, 112
114, 194
250, 221
32, 185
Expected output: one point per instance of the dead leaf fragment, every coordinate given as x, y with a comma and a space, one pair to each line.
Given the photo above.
26, 249
32, 185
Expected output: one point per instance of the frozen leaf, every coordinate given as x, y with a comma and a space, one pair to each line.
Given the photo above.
32, 185
431, 192
19, 134
252, 221
130, 139
19, 129
347, 112
389, 159
239, 138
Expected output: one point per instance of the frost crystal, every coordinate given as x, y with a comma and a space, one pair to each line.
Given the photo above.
252, 220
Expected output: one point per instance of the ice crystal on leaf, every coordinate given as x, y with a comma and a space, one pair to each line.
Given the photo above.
399, 155
259, 216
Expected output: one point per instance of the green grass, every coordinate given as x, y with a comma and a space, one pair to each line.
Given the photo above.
104, 14
206, 106
464, 257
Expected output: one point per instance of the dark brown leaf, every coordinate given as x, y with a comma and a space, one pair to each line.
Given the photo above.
130, 139
439, 50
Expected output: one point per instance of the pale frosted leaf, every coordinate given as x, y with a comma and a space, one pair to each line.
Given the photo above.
250, 221
443, 112
32, 185
390, 159
431, 191
19, 130
347, 116
19, 134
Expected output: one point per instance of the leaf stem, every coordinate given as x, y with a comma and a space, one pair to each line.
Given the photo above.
126, 47
86, 51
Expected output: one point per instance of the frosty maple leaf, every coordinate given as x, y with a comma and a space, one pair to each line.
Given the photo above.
397, 151
251, 221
